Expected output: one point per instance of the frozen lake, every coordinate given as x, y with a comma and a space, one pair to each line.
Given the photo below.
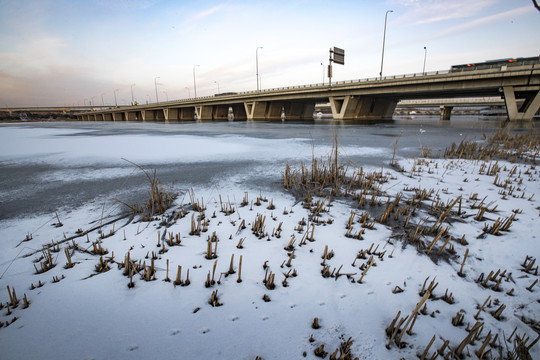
58, 165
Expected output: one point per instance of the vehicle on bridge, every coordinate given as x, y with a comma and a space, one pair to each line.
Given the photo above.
496, 63
226, 93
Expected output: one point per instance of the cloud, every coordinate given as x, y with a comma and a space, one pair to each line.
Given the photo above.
483, 21
431, 11
203, 14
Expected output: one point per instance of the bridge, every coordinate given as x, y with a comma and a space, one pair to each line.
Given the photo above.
51, 109
366, 99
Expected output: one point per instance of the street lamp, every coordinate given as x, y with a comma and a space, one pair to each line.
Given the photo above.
115, 100
257, 64
189, 92
425, 55
155, 85
148, 99
102, 101
166, 95
132, 98
217, 87
383, 40
322, 73
92, 102
195, 82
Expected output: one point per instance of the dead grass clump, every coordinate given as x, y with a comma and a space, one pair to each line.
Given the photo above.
500, 145
214, 299
159, 200
324, 177
46, 262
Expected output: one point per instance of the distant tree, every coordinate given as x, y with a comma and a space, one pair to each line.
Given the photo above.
536, 4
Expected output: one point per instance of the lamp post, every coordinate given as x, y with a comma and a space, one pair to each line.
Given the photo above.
217, 87
115, 100
132, 98
425, 55
92, 102
166, 95
257, 64
102, 101
189, 92
194, 81
148, 99
322, 73
383, 40
155, 85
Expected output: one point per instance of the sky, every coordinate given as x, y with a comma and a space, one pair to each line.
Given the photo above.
73, 52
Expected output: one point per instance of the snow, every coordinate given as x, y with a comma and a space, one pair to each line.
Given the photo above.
90, 315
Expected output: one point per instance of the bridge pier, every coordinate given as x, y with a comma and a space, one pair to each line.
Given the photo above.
274, 109
239, 112
446, 111
299, 110
159, 115
255, 110
362, 107
186, 114
170, 114
220, 112
204, 112
130, 115
147, 115
530, 106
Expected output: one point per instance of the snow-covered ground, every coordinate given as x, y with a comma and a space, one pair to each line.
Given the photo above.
86, 310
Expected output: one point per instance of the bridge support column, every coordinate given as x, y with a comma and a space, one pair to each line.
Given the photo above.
446, 111
147, 115
255, 110
530, 106
362, 107
159, 115
299, 111
204, 112
274, 110
343, 108
170, 114
220, 112
239, 112
187, 114
108, 117
130, 116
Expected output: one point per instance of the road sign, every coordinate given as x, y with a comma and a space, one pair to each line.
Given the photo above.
339, 56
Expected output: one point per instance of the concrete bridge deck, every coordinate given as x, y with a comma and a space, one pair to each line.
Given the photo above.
367, 99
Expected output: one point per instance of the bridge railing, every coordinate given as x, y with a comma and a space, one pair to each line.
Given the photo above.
307, 86
344, 82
